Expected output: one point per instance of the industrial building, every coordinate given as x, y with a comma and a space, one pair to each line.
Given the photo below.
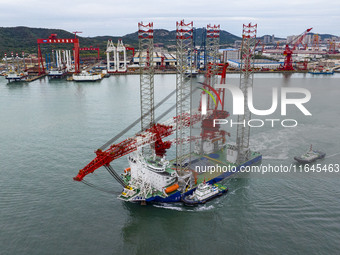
258, 63
230, 53
159, 58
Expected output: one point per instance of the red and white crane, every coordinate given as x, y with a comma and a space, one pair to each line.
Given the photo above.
290, 49
288, 52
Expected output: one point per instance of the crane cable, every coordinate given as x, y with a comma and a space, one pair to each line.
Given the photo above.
116, 137
113, 173
97, 187
108, 143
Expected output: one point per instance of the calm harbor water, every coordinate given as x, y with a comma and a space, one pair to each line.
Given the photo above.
49, 130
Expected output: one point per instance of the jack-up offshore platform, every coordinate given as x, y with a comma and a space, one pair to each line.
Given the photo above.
150, 177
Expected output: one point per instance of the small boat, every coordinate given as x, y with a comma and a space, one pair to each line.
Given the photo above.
56, 73
203, 193
87, 76
15, 76
310, 156
193, 72
322, 71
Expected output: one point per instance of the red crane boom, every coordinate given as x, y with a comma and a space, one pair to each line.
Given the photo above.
157, 132
288, 63
153, 134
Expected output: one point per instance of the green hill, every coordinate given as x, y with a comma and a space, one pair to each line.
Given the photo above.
18, 39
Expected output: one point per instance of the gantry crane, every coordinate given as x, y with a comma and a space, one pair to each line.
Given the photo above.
52, 39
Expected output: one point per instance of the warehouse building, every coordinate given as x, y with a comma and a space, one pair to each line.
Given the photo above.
258, 63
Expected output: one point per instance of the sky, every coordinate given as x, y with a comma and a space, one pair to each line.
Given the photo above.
117, 18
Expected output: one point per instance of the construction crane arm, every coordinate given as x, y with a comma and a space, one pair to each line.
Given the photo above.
296, 41
151, 135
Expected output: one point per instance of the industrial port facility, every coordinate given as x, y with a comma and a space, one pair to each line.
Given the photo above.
63, 57
151, 177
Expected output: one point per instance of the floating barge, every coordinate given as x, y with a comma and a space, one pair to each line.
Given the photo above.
87, 76
16, 76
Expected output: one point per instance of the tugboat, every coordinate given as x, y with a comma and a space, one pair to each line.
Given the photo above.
310, 156
203, 193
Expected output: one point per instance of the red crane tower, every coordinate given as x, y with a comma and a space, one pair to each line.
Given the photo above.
288, 63
75, 33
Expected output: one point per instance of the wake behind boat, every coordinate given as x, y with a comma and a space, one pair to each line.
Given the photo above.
310, 156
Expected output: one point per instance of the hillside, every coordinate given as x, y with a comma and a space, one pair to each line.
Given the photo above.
18, 39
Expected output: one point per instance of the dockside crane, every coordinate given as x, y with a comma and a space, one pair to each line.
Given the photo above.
290, 49
288, 63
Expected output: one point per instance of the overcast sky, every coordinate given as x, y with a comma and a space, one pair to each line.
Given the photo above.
104, 17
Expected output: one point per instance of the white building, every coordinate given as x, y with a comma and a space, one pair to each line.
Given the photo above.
168, 58
258, 63
229, 53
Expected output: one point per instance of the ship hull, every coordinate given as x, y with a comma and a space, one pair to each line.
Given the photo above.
85, 78
16, 79
177, 196
304, 161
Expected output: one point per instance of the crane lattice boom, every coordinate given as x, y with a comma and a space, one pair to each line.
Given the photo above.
151, 135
